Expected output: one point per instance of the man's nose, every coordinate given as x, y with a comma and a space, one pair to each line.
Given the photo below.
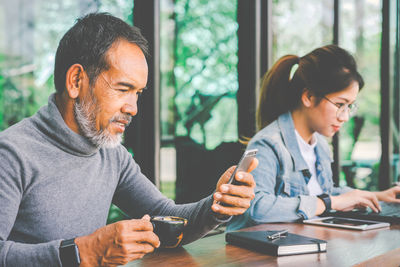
130, 107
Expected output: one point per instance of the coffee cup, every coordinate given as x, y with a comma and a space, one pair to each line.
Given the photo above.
169, 230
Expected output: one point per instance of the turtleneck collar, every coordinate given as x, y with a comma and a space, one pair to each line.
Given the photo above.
50, 122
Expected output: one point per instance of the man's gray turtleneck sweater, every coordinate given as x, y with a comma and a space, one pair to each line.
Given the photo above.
54, 185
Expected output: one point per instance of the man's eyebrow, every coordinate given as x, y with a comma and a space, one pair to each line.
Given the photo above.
131, 86
127, 85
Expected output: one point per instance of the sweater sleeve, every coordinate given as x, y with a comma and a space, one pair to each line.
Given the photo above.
13, 254
11, 192
137, 196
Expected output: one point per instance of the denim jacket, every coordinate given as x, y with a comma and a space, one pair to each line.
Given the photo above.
281, 194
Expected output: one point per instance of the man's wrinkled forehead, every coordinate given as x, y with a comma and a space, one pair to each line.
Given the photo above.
126, 60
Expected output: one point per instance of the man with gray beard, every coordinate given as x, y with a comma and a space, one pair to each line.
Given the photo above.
86, 120
61, 169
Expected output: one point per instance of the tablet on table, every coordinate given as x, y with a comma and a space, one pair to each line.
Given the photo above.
347, 223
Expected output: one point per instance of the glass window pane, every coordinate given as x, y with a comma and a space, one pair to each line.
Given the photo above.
300, 26
361, 26
198, 77
205, 71
167, 93
395, 82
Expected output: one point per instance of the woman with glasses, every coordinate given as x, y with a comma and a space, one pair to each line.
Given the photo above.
302, 101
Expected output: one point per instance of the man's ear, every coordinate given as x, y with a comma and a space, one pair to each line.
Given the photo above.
307, 98
74, 80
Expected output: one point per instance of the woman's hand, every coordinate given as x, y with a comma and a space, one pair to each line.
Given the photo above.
356, 199
389, 195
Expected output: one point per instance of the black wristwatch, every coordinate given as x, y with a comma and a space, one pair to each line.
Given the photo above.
327, 201
69, 253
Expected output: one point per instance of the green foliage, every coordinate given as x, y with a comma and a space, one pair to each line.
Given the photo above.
1, 102
19, 95
369, 182
168, 189
361, 35
205, 60
295, 33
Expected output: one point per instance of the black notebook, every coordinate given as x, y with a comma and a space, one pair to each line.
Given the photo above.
288, 245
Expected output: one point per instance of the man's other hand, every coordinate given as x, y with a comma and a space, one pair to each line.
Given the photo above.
118, 243
230, 199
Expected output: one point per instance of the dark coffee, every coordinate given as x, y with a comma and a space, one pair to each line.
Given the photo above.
169, 229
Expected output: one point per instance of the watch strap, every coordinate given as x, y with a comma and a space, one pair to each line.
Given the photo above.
69, 253
327, 201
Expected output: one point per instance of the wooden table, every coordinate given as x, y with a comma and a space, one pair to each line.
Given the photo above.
380, 247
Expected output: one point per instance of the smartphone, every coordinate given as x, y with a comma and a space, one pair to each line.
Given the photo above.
244, 164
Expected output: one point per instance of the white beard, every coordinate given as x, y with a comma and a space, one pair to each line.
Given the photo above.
86, 119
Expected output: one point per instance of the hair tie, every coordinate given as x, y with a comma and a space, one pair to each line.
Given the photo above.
293, 70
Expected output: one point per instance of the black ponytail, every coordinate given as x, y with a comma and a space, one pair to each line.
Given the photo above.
276, 96
325, 70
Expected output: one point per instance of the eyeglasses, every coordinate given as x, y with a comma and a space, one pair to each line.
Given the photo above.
351, 109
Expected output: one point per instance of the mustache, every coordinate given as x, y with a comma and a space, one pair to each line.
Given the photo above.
121, 117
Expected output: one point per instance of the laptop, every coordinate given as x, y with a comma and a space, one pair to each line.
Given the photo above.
390, 213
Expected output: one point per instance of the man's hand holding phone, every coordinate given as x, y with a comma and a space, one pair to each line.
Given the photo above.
235, 188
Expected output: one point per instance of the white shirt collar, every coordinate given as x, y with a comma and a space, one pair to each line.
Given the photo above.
304, 146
